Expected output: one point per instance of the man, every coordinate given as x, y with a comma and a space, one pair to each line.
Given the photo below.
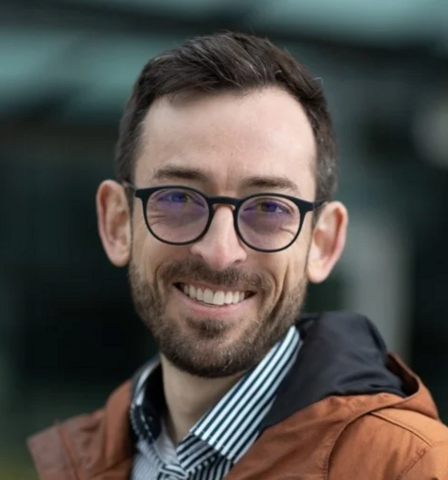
223, 211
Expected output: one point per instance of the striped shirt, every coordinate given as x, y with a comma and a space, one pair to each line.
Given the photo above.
222, 435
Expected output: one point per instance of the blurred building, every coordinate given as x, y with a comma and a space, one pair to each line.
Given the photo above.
68, 330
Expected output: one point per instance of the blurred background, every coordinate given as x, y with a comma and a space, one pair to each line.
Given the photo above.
69, 334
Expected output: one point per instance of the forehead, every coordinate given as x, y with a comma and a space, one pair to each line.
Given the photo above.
229, 139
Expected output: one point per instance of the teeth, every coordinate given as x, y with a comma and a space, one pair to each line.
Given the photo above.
192, 291
213, 298
219, 297
208, 295
229, 298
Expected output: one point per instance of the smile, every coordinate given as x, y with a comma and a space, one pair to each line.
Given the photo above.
213, 297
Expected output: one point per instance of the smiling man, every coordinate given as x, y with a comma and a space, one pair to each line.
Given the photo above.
223, 210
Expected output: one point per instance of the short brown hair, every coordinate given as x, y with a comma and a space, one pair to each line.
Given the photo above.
228, 62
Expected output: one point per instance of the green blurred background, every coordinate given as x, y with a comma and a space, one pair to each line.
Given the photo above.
69, 334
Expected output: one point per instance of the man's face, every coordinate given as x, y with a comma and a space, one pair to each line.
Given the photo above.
234, 146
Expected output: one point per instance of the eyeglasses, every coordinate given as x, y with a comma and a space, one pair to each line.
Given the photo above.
265, 222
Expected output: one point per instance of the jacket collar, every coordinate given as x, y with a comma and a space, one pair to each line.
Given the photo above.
342, 354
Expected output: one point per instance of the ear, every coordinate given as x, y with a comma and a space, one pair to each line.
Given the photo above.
327, 241
114, 222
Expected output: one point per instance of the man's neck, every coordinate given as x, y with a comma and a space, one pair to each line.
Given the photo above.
189, 397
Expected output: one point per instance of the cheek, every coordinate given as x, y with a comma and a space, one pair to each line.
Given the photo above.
291, 267
149, 254
139, 229
144, 248
140, 237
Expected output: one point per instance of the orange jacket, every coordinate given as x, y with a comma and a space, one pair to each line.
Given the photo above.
376, 435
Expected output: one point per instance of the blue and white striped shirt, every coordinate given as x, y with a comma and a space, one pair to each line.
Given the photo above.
222, 435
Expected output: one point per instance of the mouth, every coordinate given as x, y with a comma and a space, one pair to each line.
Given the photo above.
214, 296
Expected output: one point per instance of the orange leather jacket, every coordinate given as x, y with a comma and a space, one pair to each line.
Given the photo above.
347, 411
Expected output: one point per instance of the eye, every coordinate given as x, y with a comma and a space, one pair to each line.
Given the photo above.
177, 201
174, 196
268, 206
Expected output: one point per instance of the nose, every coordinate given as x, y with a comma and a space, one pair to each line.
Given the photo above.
220, 247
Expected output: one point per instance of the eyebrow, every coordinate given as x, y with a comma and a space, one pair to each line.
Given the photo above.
270, 183
169, 172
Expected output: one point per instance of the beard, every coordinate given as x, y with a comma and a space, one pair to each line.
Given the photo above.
200, 347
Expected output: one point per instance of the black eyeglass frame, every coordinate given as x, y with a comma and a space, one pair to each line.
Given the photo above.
144, 195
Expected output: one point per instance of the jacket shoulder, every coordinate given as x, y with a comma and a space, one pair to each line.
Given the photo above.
392, 443
429, 431
86, 445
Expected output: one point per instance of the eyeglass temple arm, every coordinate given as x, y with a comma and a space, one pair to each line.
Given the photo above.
128, 185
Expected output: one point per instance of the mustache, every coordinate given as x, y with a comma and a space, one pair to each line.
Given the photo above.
198, 271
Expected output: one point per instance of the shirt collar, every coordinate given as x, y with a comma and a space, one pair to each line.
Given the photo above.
233, 424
